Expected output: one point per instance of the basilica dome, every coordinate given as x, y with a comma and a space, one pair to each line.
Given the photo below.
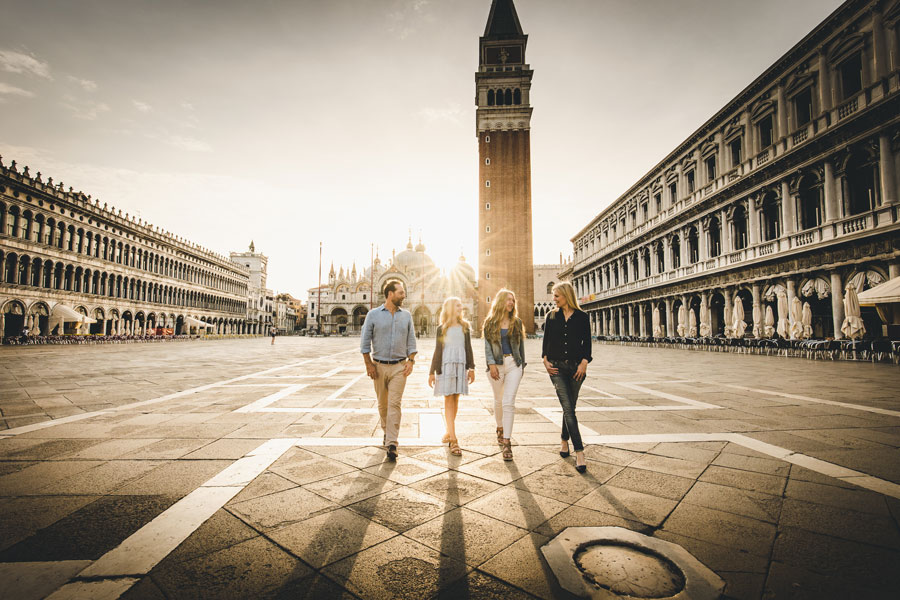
464, 269
413, 258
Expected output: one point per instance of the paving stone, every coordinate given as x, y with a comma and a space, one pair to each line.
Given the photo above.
749, 463
256, 568
579, 516
330, 537
100, 526
216, 533
281, 508
22, 517
720, 559
754, 505
103, 478
756, 482
785, 581
518, 507
562, 482
145, 589
224, 449
484, 587
651, 482
407, 471
351, 487
397, 568
670, 466
628, 504
302, 467
177, 477
36, 580
523, 566
30, 479
841, 522
721, 528
466, 535
401, 509
454, 487
851, 498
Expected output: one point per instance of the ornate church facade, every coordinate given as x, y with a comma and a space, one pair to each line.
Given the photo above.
340, 305
788, 190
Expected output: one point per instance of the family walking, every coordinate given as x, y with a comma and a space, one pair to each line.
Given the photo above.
388, 346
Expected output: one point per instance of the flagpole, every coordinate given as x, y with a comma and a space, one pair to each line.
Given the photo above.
319, 301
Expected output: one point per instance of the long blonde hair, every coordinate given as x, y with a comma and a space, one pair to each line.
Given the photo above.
565, 289
491, 325
449, 316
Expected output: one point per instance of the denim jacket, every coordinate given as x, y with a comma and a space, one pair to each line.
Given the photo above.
493, 353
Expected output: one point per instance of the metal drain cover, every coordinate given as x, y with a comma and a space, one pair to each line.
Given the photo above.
611, 562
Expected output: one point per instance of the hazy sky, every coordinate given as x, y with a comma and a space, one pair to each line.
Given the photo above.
353, 121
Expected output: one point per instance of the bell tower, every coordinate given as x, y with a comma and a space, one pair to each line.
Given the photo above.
503, 126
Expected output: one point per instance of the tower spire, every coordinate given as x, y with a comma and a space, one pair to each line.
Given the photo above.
503, 21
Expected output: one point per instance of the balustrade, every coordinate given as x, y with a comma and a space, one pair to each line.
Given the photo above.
848, 108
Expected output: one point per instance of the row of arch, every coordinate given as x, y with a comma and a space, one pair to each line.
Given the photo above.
504, 97
38, 228
707, 238
37, 317
823, 291
57, 275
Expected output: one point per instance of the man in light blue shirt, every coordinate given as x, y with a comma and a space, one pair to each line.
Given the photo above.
388, 346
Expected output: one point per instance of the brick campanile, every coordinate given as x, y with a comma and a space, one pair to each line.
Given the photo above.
503, 117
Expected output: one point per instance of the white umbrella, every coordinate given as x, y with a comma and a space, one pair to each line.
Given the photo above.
796, 318
682, 321
705, 320
729, 318
806, 320
757, 321
692, 323
657, 328
738, 325
784, 325
853, 325
769, 328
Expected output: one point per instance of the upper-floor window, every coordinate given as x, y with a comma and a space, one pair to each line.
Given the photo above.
735, 148
657, 198
711, 168
803, 107
673, 192
645, 211
766, 131
633, 218
690, 181
850, 76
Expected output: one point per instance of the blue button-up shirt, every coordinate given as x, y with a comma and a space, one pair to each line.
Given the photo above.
388, 336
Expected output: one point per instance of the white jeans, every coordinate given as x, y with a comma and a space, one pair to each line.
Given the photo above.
505, 394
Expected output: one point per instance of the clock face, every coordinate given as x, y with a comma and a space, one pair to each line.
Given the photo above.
503, 55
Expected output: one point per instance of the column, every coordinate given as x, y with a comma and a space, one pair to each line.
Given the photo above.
704, 306
824, 83
787, 210
622, 320
886, 170
729, 307
642, 320
878, 44
752, 221
757, 310
837, 304
832, 212
893, 270
725, 232
670, 322
28, 272
702, 242
781, 115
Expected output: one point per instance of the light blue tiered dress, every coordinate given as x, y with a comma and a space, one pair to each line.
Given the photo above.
453, 377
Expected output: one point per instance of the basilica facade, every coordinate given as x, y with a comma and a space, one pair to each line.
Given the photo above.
788, 190
340, 305
72, 265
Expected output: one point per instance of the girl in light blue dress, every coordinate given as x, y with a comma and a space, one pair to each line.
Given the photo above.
452, 365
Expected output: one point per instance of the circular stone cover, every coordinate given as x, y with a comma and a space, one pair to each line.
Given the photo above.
630, 571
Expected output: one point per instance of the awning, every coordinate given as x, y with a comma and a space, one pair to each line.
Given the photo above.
197, 322
66, 313
883, 293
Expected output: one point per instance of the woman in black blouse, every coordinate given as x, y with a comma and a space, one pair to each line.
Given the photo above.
566, 354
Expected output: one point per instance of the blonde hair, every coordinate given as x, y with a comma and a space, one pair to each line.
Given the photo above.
565, 289
448, 313
491, 325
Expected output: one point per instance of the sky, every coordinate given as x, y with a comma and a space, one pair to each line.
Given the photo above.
352, 122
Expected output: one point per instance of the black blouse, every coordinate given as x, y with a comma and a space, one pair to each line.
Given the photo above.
567, 340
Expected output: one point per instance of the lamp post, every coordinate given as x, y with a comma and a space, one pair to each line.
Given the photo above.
319, 301
371, 275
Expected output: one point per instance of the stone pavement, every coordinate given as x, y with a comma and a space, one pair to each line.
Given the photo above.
236, 469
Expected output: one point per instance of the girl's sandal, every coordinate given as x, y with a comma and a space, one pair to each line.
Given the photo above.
454, 447
446, 439
500, 435
507, 450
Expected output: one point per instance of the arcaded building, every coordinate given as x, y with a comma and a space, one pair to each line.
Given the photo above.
503, 127
64, 255
791, 188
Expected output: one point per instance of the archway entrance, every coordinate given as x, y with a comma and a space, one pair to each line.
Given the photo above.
13, 318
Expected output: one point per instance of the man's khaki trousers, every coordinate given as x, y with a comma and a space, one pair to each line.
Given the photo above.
389, 385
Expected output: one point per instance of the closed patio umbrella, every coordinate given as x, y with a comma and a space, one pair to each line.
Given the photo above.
738, 326
784, 324
705, 321
757, 321
796, 318
692, 323
657, 328
806, 320
852, 326
682, 321
769, 327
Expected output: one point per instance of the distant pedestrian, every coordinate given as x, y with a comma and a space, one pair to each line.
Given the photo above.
452, 366
388, 335
273, 333
566, 354
504, 351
